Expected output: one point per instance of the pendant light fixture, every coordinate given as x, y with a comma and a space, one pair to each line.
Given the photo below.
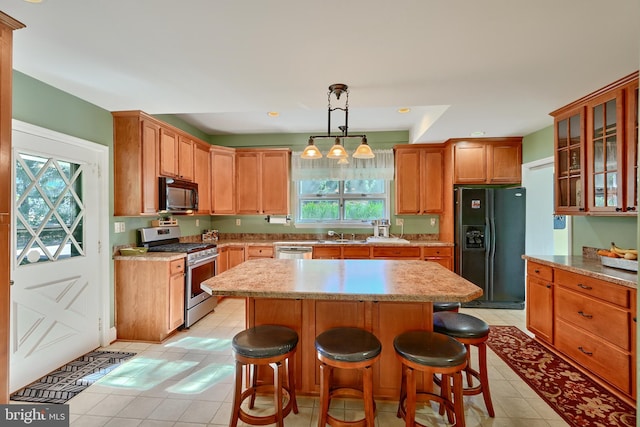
338, 151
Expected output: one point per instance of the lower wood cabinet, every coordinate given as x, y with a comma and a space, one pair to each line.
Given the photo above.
149, 298
589, 320
309, 318
441, 255
255, 252
396, 252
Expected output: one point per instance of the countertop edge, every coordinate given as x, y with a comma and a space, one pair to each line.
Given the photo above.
587, 267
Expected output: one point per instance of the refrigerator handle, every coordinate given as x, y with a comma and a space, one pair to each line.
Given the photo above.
492, 253
488, 238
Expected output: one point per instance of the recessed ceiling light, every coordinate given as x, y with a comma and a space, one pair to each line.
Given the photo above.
477, 133
273, 114
33, 1
404, 110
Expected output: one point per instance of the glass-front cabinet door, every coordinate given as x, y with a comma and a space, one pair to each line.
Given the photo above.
605, 153
569, 159
631, 96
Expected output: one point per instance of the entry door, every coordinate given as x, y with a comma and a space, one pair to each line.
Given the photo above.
55, 299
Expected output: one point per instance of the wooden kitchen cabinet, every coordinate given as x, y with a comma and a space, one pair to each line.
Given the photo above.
135, 163
396, 252
262, 181
586, 319
487, 160
202, 177
222, 263
596, 152
256, 252
149, 298
236, 255
176, 155
419, 180
223, 180
441, 255
540, 301
327, 252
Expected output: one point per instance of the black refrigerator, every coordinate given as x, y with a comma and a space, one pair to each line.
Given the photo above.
489, 244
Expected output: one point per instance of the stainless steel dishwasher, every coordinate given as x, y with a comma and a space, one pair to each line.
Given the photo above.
294, 252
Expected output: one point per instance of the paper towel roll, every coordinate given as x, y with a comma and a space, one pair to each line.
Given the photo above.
273, 220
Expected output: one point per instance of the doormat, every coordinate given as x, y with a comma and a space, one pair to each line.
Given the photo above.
64, 383
579, 400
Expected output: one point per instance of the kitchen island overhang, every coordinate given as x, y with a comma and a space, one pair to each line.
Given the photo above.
386, 297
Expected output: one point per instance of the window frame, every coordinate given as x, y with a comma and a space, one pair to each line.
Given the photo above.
341, 223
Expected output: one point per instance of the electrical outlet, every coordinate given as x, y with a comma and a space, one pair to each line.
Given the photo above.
433, 222
197, 223
238, 221
399, 221
118, 227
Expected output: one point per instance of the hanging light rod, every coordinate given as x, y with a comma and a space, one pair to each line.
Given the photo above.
337, 151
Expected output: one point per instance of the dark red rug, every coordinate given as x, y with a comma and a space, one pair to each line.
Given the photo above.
579, 400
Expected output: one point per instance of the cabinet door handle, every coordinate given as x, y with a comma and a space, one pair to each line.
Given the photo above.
588, 353
536, 271
548, 286
588, 288
631, 208
588, 316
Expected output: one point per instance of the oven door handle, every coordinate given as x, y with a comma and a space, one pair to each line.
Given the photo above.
203, 261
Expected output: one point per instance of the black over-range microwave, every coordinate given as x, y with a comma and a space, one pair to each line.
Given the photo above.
177, 196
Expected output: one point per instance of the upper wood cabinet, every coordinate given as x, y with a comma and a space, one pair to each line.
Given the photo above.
419, 179
144, 149
487, 160
176, 155
223, 181
596, 152
262, 181
135, 163
202, 177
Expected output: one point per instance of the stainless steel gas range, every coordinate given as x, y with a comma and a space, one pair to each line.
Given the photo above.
201, 265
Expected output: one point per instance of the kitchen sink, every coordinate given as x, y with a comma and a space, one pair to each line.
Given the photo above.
342, 241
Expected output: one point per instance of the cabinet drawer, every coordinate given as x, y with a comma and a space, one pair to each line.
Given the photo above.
615, 294
604, 320
437, 252
539, 271
176, 267
356, 252
326, 252
260, 251
601, 358
396, 252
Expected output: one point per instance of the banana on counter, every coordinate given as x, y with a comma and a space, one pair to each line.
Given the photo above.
616, 252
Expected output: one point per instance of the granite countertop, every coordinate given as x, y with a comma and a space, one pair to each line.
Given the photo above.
151, 256
360, 280
427, 243
588, 267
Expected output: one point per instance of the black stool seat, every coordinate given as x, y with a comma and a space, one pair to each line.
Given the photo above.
446, 306
348, 344
265, 341
459, 325
430, 349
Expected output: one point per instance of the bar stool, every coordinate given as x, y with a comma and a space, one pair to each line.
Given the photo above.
446, 306
265, 345
347, 348
469, 330
431, 353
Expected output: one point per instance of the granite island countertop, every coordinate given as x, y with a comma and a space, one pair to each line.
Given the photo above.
588, 267
355, 280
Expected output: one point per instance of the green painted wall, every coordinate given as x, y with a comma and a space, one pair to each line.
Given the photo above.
537, 145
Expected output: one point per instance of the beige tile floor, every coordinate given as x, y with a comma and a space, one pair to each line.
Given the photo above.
187, 381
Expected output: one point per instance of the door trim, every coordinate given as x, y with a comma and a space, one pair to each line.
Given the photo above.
107, 332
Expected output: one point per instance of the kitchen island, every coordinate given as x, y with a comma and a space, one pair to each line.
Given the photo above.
385, 297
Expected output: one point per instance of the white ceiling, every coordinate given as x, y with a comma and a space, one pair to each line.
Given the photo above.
497, 66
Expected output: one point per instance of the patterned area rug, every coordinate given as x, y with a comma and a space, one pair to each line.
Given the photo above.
66, 382
579, 400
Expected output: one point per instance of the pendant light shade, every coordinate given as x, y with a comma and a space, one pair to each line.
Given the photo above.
337, 151
311, 151
364, 151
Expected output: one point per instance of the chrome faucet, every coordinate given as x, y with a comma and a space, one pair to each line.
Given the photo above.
353, 236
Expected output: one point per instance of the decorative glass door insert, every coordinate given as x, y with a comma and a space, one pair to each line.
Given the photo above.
49, 209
